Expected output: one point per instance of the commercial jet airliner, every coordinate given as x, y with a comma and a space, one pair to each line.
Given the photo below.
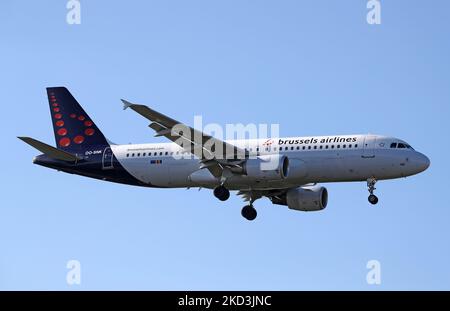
285, 170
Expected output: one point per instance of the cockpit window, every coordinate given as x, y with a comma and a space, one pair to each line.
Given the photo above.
401, 145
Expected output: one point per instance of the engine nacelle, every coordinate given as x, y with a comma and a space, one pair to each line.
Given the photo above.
307, 199
297, 169
267, 167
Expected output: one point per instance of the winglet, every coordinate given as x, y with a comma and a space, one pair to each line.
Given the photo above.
126, 104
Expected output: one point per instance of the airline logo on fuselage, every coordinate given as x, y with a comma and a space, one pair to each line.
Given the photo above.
268, 142
312, 140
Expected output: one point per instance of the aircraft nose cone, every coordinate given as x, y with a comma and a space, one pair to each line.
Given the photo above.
422, 162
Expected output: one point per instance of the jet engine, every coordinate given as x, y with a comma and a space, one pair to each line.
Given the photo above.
267, 167
306, 199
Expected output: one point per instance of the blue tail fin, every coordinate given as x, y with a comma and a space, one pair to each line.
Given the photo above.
74, 130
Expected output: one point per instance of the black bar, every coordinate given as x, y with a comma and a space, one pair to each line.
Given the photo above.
218, 300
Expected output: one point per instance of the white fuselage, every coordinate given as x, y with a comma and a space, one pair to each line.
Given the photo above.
315, 159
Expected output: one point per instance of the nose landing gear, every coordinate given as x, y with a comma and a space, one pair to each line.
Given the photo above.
373, 199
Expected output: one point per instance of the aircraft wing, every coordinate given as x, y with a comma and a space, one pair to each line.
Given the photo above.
215, 154
252, 195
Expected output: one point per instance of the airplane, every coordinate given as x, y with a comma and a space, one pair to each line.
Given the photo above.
287, 171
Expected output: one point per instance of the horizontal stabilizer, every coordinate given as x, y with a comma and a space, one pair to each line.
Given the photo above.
50, 151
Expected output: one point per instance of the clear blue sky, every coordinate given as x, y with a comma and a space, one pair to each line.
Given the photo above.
315, 67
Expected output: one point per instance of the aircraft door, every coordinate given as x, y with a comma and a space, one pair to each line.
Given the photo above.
369, 146
108, 157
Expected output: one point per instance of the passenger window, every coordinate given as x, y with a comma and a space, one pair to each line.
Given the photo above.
332, 146
326, 147
394, 145
309, 147
292, 148
338, 146
343, 146
356, 145
132, 154
298, 147
304, 147
315, 147
321, 147
350, 145
128, 155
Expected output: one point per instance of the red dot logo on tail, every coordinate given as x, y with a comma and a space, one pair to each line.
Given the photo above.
89, 132
64, 142
78, 139
62, 132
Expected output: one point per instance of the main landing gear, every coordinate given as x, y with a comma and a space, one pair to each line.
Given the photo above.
249, 212
373, 199
222, 193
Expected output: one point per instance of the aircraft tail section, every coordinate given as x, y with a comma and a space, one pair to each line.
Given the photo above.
73, 128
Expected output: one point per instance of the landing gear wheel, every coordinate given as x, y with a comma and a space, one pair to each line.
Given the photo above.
249, 212
222, 193
373, 199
